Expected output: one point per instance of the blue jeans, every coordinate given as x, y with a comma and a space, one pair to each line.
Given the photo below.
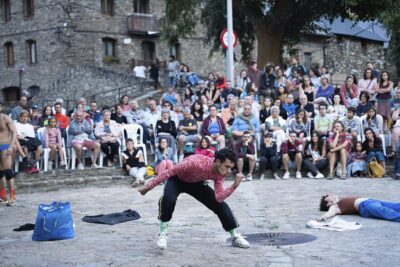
378, 155
373, 208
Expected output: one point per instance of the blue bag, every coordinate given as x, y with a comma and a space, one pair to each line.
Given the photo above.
53, 222
193, 79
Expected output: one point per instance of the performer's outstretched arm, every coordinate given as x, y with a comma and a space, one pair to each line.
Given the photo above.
220, 193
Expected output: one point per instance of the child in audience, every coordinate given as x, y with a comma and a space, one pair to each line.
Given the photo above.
358, 162
53, 140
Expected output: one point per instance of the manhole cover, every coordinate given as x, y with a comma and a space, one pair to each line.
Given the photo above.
279, 239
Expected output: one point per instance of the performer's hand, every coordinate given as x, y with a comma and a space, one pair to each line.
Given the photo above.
143, 190
238, 179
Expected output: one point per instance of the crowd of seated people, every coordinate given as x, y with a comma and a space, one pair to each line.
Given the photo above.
280, 117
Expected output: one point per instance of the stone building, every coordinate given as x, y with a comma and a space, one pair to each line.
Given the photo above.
72, 48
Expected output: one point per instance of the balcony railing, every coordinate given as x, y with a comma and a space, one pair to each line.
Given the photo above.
147, 24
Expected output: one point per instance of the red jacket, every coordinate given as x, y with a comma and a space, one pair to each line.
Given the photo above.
209, 152
353, 93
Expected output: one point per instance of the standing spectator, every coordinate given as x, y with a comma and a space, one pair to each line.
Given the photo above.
375, 73
205, 148
349, 92
295, 66
364, 104
384, 98
164, 156
315, 156
140, 71
396, 123
373, 121
368, 84
53, 140
267, 83
246, 121
213, 128
124, 102
27, 139
154, 70
187, 132
133, 163
325, 91
23, 101
268, 156
245, 154
292, 149
307, 88
107, 131
95, 115
118, 115
339, 148
254, 73
81, 135
322, 121
173, 69
373, 147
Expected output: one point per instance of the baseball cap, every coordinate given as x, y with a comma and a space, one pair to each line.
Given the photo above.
34, 106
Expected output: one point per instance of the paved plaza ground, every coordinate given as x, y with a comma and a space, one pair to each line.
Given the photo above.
196, 237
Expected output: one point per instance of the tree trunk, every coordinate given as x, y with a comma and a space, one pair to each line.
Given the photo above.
269, 43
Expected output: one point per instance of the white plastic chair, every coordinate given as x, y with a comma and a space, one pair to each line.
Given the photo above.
46, 151
134, 132
102, 155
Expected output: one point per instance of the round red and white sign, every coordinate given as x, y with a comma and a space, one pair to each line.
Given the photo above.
224, 38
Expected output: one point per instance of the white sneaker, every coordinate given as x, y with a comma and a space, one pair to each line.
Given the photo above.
94, 165
262, 177
276, 176
319, 176
249, 177
298, 175
240, 242
162, 241
310, 175
286, 176
80, 166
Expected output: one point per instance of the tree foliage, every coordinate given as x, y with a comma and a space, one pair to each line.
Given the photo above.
282, 20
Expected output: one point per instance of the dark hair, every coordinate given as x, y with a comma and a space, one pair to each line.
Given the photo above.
159, 143
355, 80
122, 97
311, 143
246, 132
44, 116
341, 124
207, 141
373, 133
365, 73
305, 115
351, 109
57, 104
323, 105
172, 57
129, 140
364, 93
355, 145
340, 99
303, 84
323, 205
268, 68
185, 96
225, 154
373, 118
293, 132
381, 80
193, 109
116, 106
316, 71
167, 102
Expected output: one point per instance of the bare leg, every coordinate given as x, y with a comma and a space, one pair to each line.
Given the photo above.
285, 162
78, 152
52, 152
38, 152
60, 152
181, 141
96, 151
299, 160
343, 160
252, 164
332, 160
240, 165
221, 141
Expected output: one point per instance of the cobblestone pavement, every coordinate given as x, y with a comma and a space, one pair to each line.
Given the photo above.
196, 236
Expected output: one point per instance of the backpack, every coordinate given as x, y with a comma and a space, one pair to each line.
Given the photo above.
375, 170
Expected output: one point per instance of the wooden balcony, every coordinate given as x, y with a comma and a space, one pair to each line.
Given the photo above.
145, 24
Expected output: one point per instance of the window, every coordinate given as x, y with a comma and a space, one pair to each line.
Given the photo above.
31, 48
109, 47
28, 8
107, 7
149, 50
175, 50
7, 10
10, 94
364, 47
307, 59
9, 47
141, 6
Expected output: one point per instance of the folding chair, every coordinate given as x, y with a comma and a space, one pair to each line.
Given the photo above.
134, 132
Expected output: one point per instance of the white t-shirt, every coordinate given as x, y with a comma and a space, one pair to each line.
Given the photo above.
140, 71
25, 130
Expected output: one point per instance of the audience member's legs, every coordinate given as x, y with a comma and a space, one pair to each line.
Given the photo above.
395, 137
343, 160
240, 163
332, 161
285, 162
221, 140
299, 159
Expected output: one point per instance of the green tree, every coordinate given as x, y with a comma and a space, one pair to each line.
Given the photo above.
272, 23
391, 19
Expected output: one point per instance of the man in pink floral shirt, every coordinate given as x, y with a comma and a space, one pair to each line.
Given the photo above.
188, 177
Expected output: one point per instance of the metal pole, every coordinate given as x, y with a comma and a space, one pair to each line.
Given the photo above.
229, 53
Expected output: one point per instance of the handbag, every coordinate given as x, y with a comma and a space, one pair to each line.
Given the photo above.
53, 222
375, 170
